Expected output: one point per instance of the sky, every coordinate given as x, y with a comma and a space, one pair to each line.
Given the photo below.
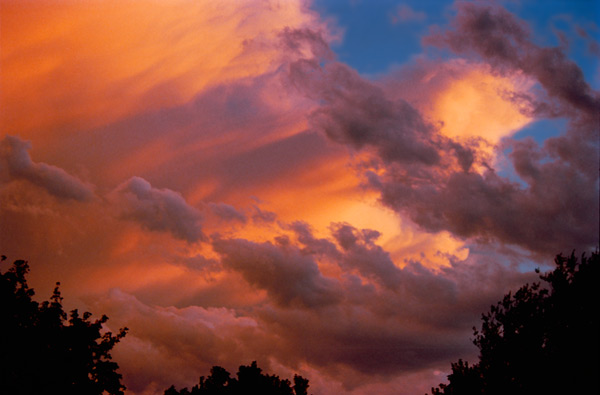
337, 189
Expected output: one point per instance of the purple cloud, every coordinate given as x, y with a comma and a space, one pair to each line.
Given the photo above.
16, 164
158, 209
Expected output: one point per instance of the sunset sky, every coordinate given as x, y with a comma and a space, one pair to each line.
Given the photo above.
332, 188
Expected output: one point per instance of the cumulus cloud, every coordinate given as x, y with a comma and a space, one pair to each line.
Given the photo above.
16, 164
168, 345
355, 112
555, 212
502, 39
289, 277
347, 327
227, 212
371, 318
157, 209
556, 208
360, 252
551, 208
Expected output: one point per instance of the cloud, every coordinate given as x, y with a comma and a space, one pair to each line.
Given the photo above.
555, 209
244, 105
417, 319
404, 13
444, 184
289, 277
346, 328
16, 164
502, 39
168, 345
360, 252
157, 209
356, 112
147, 56
227, 212
554, 213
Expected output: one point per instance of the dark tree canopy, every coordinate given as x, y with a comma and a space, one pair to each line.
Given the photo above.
42, 351
541, 340
250, 380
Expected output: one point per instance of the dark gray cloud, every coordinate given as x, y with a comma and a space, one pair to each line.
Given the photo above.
289, 277
430, 178
16, 164
157, 209
376, 318
227, 212
504, 41
357, 113
556, 212
359, 251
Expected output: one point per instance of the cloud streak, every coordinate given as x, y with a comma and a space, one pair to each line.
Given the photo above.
16, 164
157, 209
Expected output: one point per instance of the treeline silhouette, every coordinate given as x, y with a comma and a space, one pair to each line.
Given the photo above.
44, 351
250, 380
543, 339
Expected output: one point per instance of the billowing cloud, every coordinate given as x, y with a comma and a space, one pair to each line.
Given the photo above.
171, 346
357, 113
289, 277
16, 164
362, 253
343, 326
259, 199
157, 209
415, 174
227, 212
502, 39
408, 324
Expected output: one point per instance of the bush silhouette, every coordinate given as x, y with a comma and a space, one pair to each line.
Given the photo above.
250, 380
42, 351
542, 339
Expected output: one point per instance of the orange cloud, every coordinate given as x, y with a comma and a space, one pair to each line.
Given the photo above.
73, 65
196, 174
491, 114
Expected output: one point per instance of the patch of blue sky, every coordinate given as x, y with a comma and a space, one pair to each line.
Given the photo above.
577, 21
379, 34
382, 34
542, 129
539, 130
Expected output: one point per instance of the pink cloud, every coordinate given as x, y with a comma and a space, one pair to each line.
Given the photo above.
404, 13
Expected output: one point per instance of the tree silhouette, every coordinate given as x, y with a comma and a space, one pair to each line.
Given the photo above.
42, 351
542, 339
250, 380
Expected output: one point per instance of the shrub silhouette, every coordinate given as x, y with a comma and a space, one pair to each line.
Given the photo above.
42, 351
539, 340
250, 380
